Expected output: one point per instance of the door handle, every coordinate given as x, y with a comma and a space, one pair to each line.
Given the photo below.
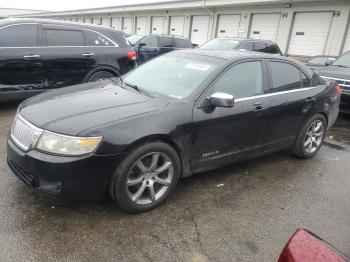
259, 109
310, 99
88, 54
31, 56
257, 104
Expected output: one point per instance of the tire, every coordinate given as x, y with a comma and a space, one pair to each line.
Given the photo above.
311, 136
100, 75
144, 176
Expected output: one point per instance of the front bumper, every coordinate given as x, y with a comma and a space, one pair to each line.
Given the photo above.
66, 178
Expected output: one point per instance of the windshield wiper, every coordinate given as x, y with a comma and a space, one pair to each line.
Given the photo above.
341, 66
132, 86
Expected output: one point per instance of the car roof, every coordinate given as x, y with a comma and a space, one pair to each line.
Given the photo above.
9, 21
244, 39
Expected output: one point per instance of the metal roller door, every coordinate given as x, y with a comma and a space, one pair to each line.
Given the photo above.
96, 21
265, 26
310, 33
199, 29
106, 22
141, 25
116, 23
177, 25
127, 24
347, 41
228, 25
157, 25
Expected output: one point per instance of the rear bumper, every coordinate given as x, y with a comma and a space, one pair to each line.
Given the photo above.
66, 178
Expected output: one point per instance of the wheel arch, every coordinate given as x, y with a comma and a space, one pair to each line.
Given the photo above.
160, 138
109, 69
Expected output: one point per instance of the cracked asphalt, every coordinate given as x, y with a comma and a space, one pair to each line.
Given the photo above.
245, 212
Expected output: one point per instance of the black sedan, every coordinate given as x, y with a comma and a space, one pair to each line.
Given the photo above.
182, 113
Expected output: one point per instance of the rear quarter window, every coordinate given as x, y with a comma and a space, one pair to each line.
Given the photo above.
94, 39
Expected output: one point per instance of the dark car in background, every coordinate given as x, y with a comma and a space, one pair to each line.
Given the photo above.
151, 46
39, 55
249, 44
182, 113
320, 60
339, 71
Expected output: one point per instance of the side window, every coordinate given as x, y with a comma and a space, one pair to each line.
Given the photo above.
284, 77
181, 43
242, 80
305, 81
94, 39
247, 46
259, 46
165, 41
58, 37
24, 35
271, 49
150, 41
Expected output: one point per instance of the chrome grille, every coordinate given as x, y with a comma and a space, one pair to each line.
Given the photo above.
24, 134
345, 84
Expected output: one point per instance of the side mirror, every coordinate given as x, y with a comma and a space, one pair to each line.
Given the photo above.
329, 62
220, 99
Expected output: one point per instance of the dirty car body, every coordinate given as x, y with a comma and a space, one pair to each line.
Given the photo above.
125, 116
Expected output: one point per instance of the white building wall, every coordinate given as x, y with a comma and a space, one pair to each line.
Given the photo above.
333, 45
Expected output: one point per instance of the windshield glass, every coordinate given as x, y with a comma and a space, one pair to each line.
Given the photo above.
133, 39
171, 76
344, 60
220, 44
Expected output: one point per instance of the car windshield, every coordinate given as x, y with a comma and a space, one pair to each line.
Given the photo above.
220, 44
172, 76
133, 39
343, 61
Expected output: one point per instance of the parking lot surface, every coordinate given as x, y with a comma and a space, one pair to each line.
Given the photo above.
244, 212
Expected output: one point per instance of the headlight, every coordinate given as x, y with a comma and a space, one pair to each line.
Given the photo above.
67, 145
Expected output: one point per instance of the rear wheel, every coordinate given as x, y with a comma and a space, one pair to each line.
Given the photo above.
100, 75
311, 137
146, 177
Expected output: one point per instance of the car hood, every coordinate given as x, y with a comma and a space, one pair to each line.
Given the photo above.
333, 72
72, 110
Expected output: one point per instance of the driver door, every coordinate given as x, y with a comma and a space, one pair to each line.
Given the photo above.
225, 135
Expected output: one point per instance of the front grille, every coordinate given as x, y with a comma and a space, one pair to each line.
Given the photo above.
24, 134
345, 84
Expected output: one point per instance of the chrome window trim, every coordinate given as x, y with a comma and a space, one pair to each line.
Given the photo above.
275, 94
114, 44
334, 78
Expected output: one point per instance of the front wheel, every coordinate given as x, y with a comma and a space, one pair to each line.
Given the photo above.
311, 137
146, 177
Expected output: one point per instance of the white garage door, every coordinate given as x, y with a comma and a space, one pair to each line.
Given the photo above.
116, 23
228, 25
80, 20
127, 24
347, 41
309, 34
265, 26
141, 25
96, 20
177, 25
200, 28
106, 22
157, 25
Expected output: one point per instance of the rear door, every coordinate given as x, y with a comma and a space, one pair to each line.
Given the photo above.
228, 134
292, 102
66, 60
20, 60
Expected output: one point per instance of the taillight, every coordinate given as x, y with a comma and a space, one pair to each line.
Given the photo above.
338, 89
131, 54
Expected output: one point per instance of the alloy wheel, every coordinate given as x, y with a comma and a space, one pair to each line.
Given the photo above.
149, 178
314, 136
